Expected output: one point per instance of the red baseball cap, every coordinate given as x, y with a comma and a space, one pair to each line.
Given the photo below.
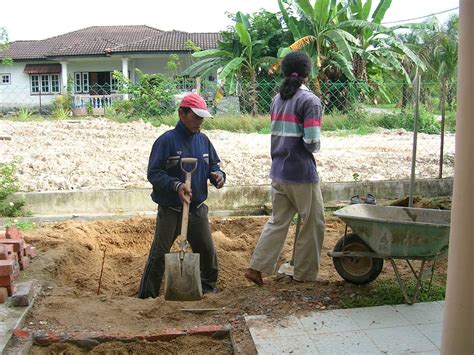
196, 103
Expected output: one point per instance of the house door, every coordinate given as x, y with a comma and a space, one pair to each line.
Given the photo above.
100, 83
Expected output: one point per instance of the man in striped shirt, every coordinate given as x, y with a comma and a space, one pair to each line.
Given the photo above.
295, 135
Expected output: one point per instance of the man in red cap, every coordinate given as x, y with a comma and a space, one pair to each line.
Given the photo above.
169, 192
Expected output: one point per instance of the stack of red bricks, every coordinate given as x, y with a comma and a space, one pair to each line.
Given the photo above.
15, 255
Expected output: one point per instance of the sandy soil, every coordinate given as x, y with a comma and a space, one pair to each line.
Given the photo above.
70, 260
101, 154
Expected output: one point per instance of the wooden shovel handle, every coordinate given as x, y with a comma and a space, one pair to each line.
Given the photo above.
185, 218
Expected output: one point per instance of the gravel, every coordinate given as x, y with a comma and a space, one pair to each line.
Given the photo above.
101, 154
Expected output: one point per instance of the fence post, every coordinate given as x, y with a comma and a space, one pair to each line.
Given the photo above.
415, 138
40, 108
443, 122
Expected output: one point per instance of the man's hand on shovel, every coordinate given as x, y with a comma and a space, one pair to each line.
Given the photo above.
185, 194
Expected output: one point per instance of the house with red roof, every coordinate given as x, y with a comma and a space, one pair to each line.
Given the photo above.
87, 58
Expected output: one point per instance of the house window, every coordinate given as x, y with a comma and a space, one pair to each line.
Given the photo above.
34, 79
81, 82
45, 84
5, 79
55, 88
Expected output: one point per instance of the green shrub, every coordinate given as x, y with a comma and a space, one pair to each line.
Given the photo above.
61, 113
8, 186
153, 94
24, 113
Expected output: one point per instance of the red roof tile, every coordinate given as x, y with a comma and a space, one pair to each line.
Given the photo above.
103, 40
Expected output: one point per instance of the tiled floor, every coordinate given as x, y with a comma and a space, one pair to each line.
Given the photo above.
399, 329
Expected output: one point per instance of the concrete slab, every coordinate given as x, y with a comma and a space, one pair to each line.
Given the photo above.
12, 317
395, 329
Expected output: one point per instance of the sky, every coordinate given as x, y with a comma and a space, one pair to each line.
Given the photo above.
33, 20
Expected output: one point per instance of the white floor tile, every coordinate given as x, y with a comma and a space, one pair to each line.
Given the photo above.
355, 342
268, 328
378, 317
400, 340
329, 322
421, 313
286, 345
433, 332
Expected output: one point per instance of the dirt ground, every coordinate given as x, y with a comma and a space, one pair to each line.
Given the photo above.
70, 260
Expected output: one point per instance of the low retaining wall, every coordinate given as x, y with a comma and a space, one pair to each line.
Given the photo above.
126, 201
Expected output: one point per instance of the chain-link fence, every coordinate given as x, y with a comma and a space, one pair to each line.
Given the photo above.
370, 125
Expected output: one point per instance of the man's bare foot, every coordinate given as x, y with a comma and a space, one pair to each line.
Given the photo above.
254, 276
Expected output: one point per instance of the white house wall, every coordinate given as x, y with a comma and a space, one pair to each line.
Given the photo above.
18, 94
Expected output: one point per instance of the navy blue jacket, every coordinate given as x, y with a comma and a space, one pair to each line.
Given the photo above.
164, 169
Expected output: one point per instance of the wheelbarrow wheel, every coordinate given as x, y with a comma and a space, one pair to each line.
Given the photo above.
357, 270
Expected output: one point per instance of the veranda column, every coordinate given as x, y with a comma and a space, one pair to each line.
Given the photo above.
458, 323
125, 73
63, 78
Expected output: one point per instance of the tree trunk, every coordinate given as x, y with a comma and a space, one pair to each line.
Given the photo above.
360, 67
405, 96
253, 93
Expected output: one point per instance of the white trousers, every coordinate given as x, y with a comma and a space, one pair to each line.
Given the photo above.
287, 200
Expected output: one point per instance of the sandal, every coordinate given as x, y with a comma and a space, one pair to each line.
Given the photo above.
370, 199
355, 200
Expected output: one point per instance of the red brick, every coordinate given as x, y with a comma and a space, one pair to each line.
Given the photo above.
12, 232
166, 335
6, 281
209, 330
3, 235
33, 252
17, 244
3, 294
24, 263
6, 267
6, 251
26, 249
21, 333
11, 289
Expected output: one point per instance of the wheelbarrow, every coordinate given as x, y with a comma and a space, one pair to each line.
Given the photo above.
391, 233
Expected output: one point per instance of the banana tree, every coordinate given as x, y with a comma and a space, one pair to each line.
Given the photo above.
242, 59
316, 30
345, 37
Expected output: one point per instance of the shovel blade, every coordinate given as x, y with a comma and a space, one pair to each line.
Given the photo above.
182, 277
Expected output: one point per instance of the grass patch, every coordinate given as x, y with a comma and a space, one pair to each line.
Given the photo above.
22, 225
335, 123
386, 292
241, 124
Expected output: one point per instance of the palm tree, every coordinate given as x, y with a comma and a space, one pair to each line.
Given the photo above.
4, 46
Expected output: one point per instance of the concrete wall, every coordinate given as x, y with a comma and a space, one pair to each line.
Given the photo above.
228, 198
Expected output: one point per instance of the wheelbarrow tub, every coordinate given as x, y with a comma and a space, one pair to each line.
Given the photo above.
399, 232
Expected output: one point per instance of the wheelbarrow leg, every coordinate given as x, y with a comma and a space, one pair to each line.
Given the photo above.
419, 279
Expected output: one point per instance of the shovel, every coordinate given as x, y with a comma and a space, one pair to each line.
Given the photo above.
182, 271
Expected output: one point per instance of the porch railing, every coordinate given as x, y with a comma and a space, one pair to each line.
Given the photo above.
95, 101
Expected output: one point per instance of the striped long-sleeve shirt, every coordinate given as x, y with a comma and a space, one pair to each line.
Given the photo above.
296, 127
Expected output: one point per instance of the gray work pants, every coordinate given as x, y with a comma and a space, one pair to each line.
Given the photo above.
168, 227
